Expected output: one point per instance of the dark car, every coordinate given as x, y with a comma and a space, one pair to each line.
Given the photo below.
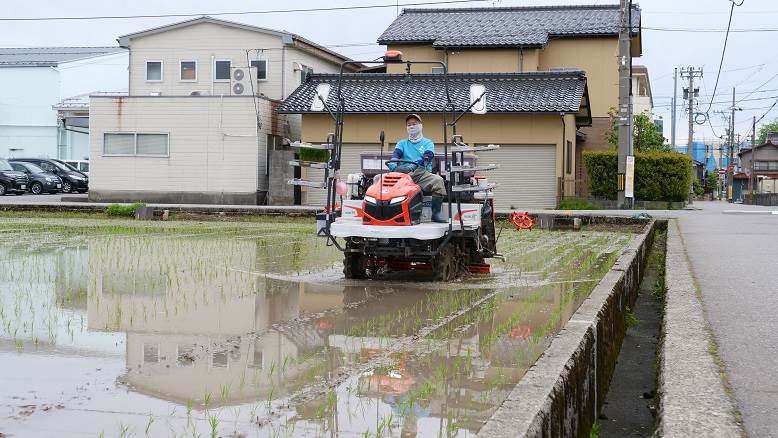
72, 180
40, 181
12, 181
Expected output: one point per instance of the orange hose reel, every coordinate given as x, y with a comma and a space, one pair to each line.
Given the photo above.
522, 221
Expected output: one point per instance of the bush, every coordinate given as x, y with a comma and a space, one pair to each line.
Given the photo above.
123, 210
697, 187
659, 176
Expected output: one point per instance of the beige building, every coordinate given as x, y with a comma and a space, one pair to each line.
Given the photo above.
522, 54
199, 124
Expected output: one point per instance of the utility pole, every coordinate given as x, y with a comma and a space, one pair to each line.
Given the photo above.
675, 103
724, 153
690, 93
625, 103
731, 170
754, 179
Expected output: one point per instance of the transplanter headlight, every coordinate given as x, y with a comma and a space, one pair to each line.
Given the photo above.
370, 199
397, 200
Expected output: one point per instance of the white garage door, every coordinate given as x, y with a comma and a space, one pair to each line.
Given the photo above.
349, 163
527, 176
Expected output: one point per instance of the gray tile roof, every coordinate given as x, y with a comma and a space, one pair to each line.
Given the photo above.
500, 27
394, 93
49, 56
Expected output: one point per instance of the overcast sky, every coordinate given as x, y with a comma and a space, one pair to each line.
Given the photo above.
750, 64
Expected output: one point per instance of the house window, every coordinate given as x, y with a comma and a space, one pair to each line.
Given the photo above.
154, 71
305, 71
221, 70
151, 144
150, 353
261, 66
136, 144
438, 70
187, 71
766, 166
119, 144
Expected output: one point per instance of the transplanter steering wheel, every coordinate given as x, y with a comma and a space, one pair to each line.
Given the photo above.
413, 163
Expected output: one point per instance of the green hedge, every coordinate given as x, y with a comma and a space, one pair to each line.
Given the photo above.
659, 176
123, 210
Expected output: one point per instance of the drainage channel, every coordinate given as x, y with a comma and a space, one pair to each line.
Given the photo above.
630, 407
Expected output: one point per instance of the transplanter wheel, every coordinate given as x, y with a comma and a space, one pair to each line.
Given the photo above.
444, 265
354, 265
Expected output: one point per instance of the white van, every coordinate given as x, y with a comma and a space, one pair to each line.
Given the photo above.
80, 165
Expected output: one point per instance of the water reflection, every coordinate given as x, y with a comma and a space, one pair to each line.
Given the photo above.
210, 323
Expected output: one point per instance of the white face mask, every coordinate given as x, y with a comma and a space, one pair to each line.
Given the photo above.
414, 131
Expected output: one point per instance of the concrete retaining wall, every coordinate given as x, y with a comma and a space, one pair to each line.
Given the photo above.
150, 196
561, 394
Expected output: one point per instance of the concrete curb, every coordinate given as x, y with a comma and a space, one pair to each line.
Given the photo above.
561, 393
694, 402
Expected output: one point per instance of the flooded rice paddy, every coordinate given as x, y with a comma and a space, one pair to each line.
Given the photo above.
116, 328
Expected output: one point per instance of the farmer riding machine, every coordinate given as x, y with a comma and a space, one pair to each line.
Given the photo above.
386, 225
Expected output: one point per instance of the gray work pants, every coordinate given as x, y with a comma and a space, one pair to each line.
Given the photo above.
430, 184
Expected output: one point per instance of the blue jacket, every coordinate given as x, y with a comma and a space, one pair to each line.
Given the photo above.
421, 152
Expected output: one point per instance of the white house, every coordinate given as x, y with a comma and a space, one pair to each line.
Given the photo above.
33, 81
199, 124
642, 100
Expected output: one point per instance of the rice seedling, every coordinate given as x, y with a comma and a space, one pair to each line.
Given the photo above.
213, 421
224, 390
148, 424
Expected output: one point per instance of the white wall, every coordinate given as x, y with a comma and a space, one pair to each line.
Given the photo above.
26, 119
34, 141
78, 145
100, 73
206, 42
213, 144
26, 96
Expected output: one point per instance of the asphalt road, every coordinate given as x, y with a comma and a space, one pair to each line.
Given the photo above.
29, 198
734, 258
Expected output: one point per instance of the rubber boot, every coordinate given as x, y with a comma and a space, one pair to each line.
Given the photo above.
437, 206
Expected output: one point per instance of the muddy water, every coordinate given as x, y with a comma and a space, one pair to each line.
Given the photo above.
251, 330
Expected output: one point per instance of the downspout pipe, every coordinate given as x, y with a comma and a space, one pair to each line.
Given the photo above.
286, 40
564, 154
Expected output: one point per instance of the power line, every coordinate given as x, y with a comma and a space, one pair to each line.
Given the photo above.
271, 11
723, 51
702, 12
757, 88
668, 105
768, 111
708, 30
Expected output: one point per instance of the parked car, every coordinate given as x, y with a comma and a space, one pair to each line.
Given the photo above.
79, 165
72, 179
40, 181
11, 181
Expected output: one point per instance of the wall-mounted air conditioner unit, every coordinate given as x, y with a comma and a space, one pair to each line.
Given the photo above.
240, 81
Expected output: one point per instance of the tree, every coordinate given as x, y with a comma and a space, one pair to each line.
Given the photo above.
764, 129
645, 137
711, 181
